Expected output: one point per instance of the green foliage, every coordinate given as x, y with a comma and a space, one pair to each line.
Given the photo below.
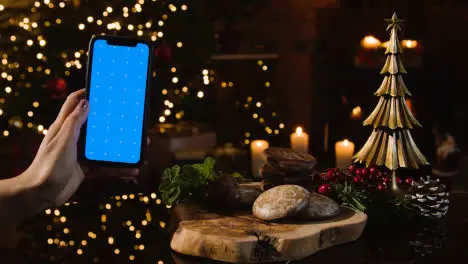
180, 184
347, 194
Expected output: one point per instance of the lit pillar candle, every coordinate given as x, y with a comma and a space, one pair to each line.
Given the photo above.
300, 140
344, 153
256, 149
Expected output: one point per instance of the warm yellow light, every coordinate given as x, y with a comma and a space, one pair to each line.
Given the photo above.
162, 119
356, 113
172, 7
42, 42
164, 91
281, 125
62, 4
63, 219
13, 38
148, 24
409, 44
179, 44
37, 4
6, 133
160, 23
50, 241
84, 242
267, 84
175, 79
370, 42
9, 77
99, 22
56, 211
47, 71
140, 33
205, 72
40, 128
79, 251
30, 113
35, 104
185, 89
30, 42
90, 19
184, 7
46, 2
81, 26
258, 104
110, 240
144, 222
34, 24
130, 27
131, 257
154, 38
108, 206
265, 67
109, 9
255, 115
8, 89
1, 112
345, 142
167, 112
160, 34
200, 94
125, 9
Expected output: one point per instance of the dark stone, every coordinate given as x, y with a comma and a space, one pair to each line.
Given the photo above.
319, 207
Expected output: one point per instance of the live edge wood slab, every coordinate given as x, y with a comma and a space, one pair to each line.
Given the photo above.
240, 237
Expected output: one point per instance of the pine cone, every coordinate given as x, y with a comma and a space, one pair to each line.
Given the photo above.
428, 198
429, 237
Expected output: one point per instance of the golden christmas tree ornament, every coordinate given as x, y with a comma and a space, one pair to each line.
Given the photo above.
391, 144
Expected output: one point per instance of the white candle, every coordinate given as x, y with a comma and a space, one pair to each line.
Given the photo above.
300, 140
344, 153
256, 149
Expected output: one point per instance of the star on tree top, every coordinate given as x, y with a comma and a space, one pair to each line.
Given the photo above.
394, 22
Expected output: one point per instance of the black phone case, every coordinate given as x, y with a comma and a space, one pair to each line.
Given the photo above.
123, 41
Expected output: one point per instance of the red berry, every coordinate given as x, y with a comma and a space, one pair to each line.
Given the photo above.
372, 170
329, 175
358, 171
386, 179
352, 168
364, 172
398, 180
409, 180
323, 189
357, 179
380, 187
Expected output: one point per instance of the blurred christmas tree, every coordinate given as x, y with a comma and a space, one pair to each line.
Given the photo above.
44, 46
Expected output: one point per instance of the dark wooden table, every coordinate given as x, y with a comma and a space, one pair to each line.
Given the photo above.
114, 222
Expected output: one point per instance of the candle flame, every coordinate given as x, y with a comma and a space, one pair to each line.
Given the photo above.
299, 130
259, 143
345, 142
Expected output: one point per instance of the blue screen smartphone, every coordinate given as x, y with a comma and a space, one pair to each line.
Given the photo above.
117, 81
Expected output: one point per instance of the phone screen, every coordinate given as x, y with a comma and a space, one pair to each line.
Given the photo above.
117, 90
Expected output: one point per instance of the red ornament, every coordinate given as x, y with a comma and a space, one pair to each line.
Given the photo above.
364, 172
372, 170
352, 168
380, 187
357, 179
329, 175
409, 181
164, 52
58, 87
323, 189
358, 171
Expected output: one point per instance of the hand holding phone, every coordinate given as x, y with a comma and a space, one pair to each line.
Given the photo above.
117, 82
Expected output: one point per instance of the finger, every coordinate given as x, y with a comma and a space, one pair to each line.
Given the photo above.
70, 129
67, 108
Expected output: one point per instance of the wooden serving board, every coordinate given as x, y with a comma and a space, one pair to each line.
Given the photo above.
240, 237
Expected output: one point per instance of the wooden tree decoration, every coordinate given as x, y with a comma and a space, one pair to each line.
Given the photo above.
390, 143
